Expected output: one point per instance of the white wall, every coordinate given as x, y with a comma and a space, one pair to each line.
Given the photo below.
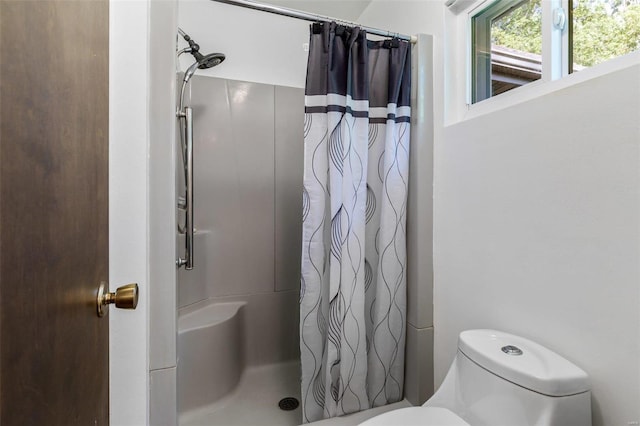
537, 226
260, 47
128, 219
142, 210
349, 10
162, 212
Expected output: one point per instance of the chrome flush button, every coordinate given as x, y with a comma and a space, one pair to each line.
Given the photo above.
511, 350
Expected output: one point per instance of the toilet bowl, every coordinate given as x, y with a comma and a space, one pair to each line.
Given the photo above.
498, 379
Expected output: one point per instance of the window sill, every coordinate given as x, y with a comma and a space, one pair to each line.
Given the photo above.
540, 88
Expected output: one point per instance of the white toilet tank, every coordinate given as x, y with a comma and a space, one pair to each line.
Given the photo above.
498, 379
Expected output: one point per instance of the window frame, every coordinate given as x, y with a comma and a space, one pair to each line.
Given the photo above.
556, 47
481, 86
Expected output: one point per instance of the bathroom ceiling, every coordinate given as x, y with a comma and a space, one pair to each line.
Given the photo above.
349, 10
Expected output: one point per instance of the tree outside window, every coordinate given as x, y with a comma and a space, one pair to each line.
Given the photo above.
601, 29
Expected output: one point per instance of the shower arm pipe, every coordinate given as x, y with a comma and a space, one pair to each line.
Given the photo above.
292, 13
185, 50
187, 261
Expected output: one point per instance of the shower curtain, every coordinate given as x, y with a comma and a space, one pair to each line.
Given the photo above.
353, 284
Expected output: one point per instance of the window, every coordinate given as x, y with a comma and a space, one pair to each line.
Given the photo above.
507, 42
515, 42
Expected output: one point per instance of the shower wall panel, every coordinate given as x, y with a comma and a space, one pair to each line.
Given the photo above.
248, 161
289, 164
234, 183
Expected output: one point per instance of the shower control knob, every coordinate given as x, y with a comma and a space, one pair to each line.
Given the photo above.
125, 297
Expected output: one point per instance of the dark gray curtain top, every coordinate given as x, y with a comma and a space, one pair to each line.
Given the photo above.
342, 61
332, 50
391, 83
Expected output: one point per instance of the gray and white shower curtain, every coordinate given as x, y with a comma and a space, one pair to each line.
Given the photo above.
353, 284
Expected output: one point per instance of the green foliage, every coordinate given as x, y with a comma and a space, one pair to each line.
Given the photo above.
602, 29
631, 33
520, 28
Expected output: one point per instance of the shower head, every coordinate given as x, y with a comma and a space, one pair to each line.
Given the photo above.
209, 61
203, 62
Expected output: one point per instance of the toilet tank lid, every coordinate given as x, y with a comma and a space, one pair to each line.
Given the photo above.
536, 367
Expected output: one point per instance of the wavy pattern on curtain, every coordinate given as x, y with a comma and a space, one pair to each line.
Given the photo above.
353, 284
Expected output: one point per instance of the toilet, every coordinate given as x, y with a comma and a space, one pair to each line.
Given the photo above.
498, 379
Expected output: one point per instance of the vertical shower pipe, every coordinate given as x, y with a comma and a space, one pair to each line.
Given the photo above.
187, 116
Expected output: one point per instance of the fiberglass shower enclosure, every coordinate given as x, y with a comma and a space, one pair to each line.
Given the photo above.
239, 305
238, 316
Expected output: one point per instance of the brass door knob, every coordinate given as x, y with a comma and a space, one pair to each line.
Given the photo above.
125, 297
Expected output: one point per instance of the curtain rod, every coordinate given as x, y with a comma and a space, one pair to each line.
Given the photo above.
312, 17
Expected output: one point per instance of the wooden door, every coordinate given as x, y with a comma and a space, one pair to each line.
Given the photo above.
54, 69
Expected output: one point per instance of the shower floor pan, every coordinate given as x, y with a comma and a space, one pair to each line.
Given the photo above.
216, 388
254, 402
255, 399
